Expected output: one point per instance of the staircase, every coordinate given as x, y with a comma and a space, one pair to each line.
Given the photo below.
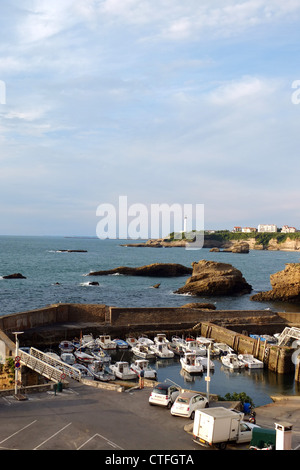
48, 366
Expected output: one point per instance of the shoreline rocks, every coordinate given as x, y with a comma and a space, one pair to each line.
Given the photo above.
285, 286
210, 278
154, 270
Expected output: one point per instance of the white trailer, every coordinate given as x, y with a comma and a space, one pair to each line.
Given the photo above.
219, 426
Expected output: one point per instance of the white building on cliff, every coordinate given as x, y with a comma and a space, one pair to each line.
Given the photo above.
267, 228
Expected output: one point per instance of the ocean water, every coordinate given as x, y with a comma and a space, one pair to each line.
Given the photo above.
39, 259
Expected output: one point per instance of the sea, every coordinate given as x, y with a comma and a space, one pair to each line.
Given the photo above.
54, 275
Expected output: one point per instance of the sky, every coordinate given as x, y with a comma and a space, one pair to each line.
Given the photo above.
159, 101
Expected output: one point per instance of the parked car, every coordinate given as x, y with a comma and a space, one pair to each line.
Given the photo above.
164, 394
187, 403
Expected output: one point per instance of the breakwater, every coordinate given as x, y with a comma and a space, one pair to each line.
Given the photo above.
47, 326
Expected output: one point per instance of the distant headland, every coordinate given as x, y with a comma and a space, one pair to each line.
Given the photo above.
228, 241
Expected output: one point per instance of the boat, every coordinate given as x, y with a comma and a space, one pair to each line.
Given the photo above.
161, 350
204, 362
161, 338
143, 351
121, 344
222, 349
84, 371
194, 346
231, 360
100, 355
145, 340
100, 371
105, 342
68, 358
177, 348
83, 357
53, 355
138, 364
131, 341
250, 361
122, 371
191, 363
66, 346
205, 341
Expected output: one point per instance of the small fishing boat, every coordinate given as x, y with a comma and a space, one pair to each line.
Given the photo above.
231, 360
161, 350
121, 344
100, 371
161, 338
204, 362
105, 342
145, 340
131, 341
122, 371
84, 371
100, 355
222, 349
177, 348
191, 363
143, 351
68, 358
83, 357
66, 346
194, 346
250, 361
137, 366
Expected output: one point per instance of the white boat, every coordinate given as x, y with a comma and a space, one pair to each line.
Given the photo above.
53, 355
101, 355
101, 372
121, 344
194, 346
177, 348
122, 371
66, 346
222, 349
250, 361
105, 342
204, 362
85, 373
161, 350
131, 341
205, 341
68, 358
83, 357
161, 338
143, 351
232, 362
145, 340
191, 363
137, 366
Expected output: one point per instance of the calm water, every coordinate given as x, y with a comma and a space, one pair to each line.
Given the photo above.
38, 259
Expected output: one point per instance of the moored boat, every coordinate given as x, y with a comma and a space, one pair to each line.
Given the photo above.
191, 363
100, 371
143, 351
105, 342
232, 362
137, 366
66, 346
161, 350
250, 361
122, 371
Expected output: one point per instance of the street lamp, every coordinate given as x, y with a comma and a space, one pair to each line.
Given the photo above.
16, 333
207, 378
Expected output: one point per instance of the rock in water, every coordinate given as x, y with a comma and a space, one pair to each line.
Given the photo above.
285, 285
14, 276
155, 270
210, 278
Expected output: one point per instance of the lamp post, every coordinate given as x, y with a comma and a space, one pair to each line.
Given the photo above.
16, 333
207, 378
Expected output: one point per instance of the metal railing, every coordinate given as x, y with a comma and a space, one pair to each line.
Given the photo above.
287, 334
48, 366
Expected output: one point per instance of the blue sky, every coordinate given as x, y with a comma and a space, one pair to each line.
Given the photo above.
163, 101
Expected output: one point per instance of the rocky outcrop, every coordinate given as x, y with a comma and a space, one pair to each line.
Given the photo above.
154, 270
14, 276
210, 278
285, 285
200, 305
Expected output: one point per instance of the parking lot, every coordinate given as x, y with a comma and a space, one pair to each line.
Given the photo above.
84, 418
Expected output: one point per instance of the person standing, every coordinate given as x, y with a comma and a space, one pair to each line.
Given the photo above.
142, 374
